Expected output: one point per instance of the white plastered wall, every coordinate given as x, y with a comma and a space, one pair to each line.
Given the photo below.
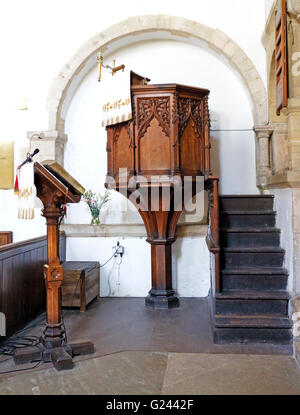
233, 156
34, 52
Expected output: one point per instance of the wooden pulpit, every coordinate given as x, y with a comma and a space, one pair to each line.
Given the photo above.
167, 138
55, 187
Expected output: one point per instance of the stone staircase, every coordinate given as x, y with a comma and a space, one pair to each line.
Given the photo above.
253, 305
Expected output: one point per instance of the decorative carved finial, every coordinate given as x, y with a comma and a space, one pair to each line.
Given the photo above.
206, 111
175, 108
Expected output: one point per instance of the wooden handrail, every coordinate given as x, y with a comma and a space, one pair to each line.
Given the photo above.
213, 236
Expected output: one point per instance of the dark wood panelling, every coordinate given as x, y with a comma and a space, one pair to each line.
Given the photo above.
22, 289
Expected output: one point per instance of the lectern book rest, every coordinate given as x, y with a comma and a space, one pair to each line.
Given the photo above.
55, 187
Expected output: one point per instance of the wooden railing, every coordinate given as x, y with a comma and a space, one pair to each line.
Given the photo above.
22, 289
213, 236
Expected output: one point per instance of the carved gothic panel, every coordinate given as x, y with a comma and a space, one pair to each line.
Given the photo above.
154, 107
191, 146
190, 108
154, 150
122, 142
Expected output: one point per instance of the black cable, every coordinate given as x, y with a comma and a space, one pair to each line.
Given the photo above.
31, 325
109, 259
10, 346
79, 277
73, 297
21, 342
37, 345
77, 287
5, 360
98, 356
21, 370
101, 266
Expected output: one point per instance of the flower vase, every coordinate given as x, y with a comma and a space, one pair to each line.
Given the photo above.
95, 218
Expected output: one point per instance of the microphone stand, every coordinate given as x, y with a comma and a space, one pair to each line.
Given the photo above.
29, 157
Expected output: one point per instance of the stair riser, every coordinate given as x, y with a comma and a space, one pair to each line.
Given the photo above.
250, 259
246, 203
251, 307
229, 240
247, 221
255, 335
254, 282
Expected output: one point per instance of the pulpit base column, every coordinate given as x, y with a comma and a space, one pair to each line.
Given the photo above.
162, 299
161, 295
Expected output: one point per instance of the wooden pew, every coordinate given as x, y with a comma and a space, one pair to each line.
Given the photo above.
22, 287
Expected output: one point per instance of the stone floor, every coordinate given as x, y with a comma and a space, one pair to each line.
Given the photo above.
143, 373
143, 351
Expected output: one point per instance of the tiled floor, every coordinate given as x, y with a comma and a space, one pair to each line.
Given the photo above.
145, 351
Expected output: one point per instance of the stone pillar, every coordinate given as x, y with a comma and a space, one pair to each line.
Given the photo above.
263, 135
50, 143
293, 115
294, 8
279, 148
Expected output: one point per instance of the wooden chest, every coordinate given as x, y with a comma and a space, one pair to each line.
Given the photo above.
5, 238
81, 283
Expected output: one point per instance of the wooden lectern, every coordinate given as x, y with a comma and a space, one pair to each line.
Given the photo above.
55, 187
168, 137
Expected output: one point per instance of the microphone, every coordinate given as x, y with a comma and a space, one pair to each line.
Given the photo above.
29, 158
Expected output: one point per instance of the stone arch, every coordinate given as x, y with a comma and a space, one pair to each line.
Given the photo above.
177, 26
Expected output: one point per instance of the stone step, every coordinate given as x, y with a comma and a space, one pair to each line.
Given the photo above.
274, 336
246, 202
250, 237
253, 306
259, 322
254, 279
247, 219
249, 257
253, 295
252, 303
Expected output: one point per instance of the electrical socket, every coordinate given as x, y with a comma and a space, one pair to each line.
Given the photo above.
118, 249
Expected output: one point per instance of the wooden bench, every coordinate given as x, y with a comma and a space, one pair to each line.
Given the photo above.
81, 283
